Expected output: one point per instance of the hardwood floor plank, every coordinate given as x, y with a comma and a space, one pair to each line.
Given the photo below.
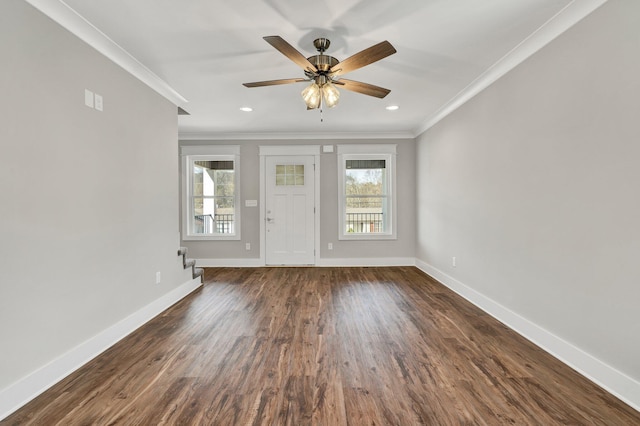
324, 346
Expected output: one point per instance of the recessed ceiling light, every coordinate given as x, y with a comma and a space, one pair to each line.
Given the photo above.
246, 109
392, 107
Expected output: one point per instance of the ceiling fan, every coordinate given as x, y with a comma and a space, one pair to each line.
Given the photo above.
323, 71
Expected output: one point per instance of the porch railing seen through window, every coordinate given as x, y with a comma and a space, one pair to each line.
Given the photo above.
364, 222
214, 224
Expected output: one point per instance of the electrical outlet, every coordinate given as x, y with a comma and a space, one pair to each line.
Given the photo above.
247, 246
330, 246
158, 277
453, 261
98, 102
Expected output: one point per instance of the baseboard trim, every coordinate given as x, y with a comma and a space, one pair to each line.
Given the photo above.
20, 393
229, 263
366, 261
615, 382
322, 262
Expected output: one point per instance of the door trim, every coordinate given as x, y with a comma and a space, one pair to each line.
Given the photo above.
284, 150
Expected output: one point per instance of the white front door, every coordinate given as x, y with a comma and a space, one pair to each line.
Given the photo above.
289, 210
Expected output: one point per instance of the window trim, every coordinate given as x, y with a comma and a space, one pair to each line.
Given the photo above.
385, 152
189, 154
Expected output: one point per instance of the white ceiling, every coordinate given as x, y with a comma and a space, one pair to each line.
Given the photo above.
447, 50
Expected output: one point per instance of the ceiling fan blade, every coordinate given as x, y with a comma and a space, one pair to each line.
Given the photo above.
274, 82
364, 57
364, 88
290, 52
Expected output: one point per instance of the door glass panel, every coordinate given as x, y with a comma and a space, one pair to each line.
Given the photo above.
290, 175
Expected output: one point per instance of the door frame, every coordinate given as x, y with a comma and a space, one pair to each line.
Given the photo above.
282, 151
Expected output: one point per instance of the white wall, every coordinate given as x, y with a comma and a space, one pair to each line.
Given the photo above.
533, 187
88, 199
402, 248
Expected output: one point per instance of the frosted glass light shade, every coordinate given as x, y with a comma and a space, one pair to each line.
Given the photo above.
311, 96
330, 94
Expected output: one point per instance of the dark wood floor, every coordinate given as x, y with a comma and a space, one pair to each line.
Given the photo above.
324, 346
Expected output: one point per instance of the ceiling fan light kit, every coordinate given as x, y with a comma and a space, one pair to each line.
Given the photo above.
320, 92
323, 71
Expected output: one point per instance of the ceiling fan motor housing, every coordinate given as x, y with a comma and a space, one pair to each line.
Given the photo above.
322, 62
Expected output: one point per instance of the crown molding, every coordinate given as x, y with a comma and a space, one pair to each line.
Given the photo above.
69, 19
213, 136
566, 18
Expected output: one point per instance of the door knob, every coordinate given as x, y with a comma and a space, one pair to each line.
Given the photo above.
269, 219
